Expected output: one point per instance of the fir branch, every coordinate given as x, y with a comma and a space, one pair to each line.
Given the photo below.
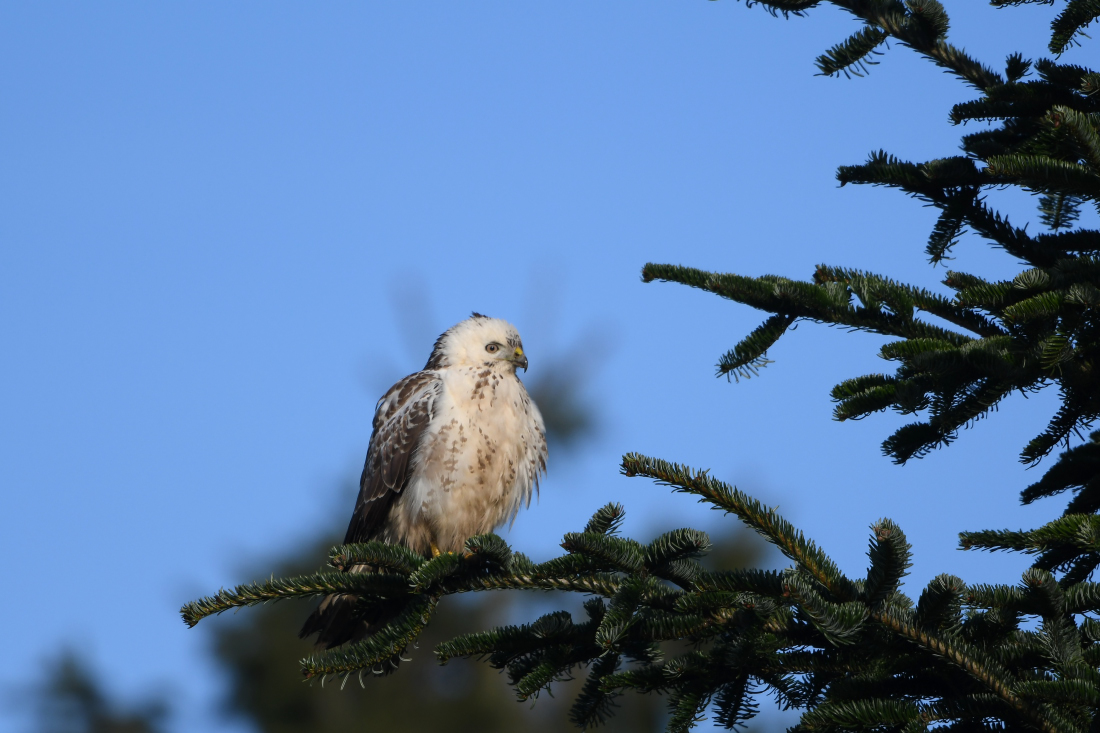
997, 680
551, 668
774, 528
745, 360
676, 544
839, 623
735, 704
505, 644
1013, 240
1078, 14
625, 555
1043, 173
1061, 75
786, 8
890, 562
603, 584
852, 714
1082, 597
714, 602
749, 580
1067, 419
383, 555
620, 614
850, 56
687, 708
940, 604
924, 36
860, 397
318, 584
593, 705
1090, 83
1065, 692
826, 302
900, 297
682, 572
607, 520
658, 625
1058, 210
1075, 469
1083, 128
490, 549
436, 570
382, 647
945, 234
930, 16
569, 565
1016, 66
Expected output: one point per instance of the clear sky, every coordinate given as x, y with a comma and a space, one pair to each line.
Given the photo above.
225, 229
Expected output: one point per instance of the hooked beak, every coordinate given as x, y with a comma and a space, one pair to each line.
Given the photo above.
519, 359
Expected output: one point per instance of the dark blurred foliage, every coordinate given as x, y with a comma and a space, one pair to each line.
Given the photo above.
559, 393
70, 699
259, 650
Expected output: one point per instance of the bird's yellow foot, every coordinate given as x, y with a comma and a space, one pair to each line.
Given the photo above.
435, 550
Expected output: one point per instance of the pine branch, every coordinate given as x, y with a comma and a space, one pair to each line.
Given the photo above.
382, 648
851, 56
774, 528
505, 644
940, 605
319, 584
1082, 127
828, 302
607, 520
1078, 14
381, 555
945, 234
970, 660
745, 360
890, 562
625, 555
923, 28
1077, 468
855, 714
1043, 173
839, 623
594, 705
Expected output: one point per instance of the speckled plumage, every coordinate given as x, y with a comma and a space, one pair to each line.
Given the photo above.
457, 449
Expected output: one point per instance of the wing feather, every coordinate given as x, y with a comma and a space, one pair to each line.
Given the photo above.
400, 419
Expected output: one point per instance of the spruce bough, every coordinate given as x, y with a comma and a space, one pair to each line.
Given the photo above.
851, 653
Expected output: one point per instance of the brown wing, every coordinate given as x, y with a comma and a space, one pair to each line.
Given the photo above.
400, 419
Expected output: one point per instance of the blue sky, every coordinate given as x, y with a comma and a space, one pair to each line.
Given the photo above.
227, 228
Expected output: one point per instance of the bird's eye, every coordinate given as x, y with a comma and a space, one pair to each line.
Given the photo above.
493, 348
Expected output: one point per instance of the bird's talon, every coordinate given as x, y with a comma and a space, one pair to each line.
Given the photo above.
435, 550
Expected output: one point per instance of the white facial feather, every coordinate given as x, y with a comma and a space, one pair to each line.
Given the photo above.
464, 343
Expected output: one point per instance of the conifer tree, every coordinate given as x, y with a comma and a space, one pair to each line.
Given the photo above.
850, 653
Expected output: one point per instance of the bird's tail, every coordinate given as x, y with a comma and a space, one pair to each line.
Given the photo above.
342, 618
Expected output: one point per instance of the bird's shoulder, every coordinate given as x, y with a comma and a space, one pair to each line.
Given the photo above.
414, 392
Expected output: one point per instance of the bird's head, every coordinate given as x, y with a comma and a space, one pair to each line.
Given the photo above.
479, 340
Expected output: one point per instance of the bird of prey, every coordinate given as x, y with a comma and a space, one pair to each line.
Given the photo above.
457, 448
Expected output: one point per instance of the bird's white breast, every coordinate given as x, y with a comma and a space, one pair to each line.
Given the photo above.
480, 459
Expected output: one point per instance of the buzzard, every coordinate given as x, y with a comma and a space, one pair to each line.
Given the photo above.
457, 448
